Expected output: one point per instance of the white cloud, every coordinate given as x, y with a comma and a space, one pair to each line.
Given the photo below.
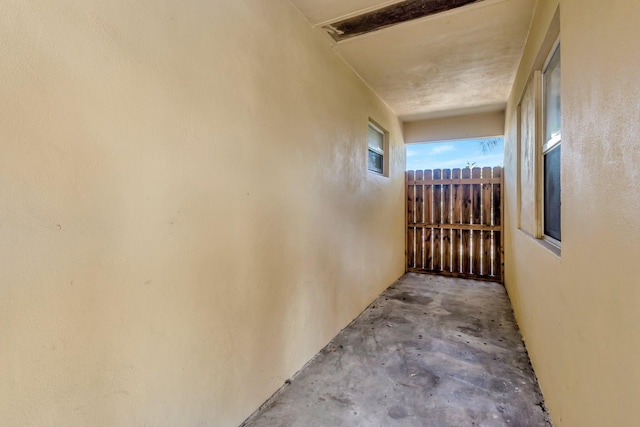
442, 149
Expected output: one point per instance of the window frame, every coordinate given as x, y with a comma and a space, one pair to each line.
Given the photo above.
383, 153
546, 147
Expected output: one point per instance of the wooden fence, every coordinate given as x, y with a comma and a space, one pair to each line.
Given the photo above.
454, 224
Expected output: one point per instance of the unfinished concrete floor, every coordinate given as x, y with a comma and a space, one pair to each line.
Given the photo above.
430, 351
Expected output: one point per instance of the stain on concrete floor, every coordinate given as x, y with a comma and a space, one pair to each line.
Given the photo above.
430, 351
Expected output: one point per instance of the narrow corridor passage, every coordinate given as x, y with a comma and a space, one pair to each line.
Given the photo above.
430, 351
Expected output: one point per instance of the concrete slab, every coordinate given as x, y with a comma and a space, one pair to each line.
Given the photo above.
430, 351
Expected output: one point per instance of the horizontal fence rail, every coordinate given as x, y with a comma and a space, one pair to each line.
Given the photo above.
454, 222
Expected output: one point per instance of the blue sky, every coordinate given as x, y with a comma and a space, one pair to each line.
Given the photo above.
453, 154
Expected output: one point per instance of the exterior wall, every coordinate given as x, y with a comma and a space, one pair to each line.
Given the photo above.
186, 215
477, 125
578, 311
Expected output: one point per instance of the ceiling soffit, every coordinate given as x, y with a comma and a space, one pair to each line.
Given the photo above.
463, 59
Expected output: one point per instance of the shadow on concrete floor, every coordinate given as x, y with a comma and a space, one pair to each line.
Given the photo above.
430, 351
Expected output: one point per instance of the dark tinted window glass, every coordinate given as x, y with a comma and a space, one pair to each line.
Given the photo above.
552, 193
375, 161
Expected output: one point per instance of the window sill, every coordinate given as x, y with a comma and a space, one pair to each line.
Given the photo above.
551, 247
375, 173
555, 249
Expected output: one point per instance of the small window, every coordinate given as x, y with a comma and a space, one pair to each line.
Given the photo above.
377, 144
551, 147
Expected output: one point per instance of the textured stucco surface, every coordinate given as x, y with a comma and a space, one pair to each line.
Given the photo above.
186, 217
456, 127
578, 312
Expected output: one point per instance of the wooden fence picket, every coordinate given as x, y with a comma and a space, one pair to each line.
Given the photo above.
486, 220
498, 248
456, 234
419, 232
428, 218
466, 219
436, 219
446, 219
475, 219
411, 219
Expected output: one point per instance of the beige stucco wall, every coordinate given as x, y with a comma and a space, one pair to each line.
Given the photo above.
578, 311
185, 211
476, 125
